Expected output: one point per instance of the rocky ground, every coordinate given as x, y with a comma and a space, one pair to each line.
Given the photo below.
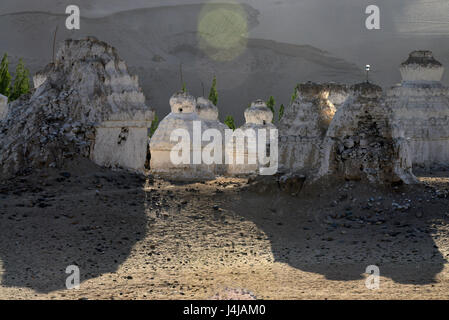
138, 238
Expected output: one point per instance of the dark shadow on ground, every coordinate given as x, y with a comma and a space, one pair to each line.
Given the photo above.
50, 222
328, 232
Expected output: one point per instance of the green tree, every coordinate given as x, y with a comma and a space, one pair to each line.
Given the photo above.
281, 112
154, 125
271, 105
213, 95
229, 121
5, 77
294, 95
184, 89
21, 81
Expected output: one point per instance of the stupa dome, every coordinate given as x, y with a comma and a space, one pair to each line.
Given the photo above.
421, 66
421, 109
361, 142
182, 102
258, 117
206, 109
258, 113
184, 116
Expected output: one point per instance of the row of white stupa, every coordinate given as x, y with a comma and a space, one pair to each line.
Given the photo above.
419, 113
419, 118
185, 111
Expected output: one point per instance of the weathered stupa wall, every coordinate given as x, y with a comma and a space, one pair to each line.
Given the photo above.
361, 144
303, 127
421, 109
86, 101
121, 144
3, 106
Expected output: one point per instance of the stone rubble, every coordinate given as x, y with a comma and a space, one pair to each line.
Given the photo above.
208, 113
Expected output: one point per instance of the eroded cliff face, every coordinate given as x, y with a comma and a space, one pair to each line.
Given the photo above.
86, 86
421, 109
303, 127
362, 144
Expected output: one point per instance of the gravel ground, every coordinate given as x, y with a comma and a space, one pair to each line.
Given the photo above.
137, 238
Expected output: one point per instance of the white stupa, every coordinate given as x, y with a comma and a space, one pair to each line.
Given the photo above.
3, 106
360, 143
208, 113
258, 116
303, 127
183, 115
421, 109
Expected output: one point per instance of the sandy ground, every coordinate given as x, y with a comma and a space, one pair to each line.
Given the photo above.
139, 238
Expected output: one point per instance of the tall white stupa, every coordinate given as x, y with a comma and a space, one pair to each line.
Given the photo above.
208, 113
421, 109
360, 143
183, 116
258, 117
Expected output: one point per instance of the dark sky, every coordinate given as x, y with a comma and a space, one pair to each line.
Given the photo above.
336, 27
